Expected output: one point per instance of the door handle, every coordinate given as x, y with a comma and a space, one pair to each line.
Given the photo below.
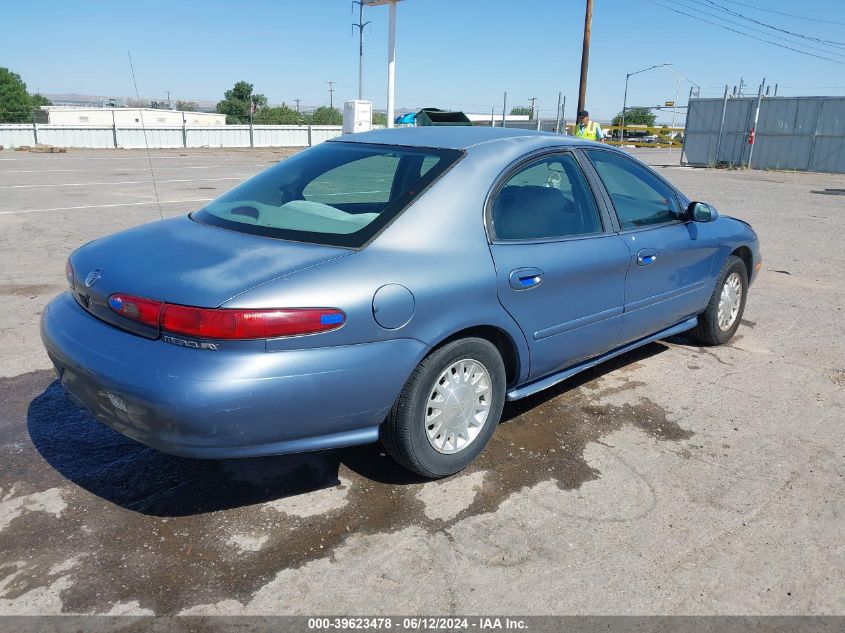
646, 257
525, 278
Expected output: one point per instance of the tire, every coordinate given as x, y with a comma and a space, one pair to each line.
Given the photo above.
414, 417
710, 329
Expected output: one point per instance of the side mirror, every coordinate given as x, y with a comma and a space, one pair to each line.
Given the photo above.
701, 212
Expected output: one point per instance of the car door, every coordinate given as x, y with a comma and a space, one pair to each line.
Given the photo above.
560, 272
670, 265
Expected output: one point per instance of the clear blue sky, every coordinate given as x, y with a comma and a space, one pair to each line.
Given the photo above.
450, 53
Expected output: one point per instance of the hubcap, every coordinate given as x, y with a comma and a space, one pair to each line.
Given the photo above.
729, 301
458, 406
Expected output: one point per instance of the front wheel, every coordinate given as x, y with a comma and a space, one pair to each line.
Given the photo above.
448, 409
720, 320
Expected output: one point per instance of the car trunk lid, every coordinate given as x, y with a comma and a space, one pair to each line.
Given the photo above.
183, 262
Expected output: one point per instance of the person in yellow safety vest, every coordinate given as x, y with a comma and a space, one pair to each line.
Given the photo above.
585, 128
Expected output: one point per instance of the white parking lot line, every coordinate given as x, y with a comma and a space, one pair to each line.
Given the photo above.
122, 182
143, 157
42, 171
105, 206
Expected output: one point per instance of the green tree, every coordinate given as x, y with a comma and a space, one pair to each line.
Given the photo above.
636, 116
281, 115
39, 100
379, 118
521, 110
237, 102
324, 115
15, 102
186, 106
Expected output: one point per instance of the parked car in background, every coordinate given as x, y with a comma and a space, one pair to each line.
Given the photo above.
397, 285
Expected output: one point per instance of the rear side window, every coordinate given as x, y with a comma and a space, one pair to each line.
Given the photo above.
338, 194
639, 197
547, 198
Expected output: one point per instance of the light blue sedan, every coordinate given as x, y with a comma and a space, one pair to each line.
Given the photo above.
396, 285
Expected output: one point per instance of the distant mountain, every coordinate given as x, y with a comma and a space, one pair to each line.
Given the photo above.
97, 101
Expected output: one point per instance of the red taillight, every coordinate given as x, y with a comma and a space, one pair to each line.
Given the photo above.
245, 324
138, 309
227, 323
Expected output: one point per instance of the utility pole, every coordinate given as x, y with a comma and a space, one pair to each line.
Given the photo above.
585, 55
557, 113
504, 108
533, 100
361, 24
331, 94
563, 115
297, 104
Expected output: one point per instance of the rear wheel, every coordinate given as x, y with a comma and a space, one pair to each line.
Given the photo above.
720, 320
448, 410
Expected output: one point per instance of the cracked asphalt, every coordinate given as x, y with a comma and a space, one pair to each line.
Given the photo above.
673, 480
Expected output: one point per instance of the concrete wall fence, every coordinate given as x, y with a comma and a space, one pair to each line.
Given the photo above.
801, 133
16, 135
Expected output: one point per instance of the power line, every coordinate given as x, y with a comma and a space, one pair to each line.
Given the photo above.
774, 28
827, 51
753, 37
790, 15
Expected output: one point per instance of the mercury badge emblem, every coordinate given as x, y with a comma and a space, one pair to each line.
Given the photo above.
92, 277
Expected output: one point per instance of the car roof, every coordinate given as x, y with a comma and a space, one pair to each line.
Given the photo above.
451, 136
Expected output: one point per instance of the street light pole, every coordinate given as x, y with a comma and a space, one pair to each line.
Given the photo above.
678, 76
361, 24
624, 106
625, 99
391, 54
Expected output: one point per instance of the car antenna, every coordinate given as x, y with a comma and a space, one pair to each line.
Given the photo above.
144, 130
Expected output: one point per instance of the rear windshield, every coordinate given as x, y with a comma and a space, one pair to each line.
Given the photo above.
339, 194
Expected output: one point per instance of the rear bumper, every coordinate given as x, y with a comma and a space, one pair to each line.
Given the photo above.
231, 403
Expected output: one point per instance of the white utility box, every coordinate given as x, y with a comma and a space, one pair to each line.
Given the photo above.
357, 116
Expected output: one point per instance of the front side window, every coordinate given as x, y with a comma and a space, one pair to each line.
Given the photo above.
547, 198
336, 193
639, 197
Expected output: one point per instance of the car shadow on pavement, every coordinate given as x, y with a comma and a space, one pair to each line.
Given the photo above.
136, 477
